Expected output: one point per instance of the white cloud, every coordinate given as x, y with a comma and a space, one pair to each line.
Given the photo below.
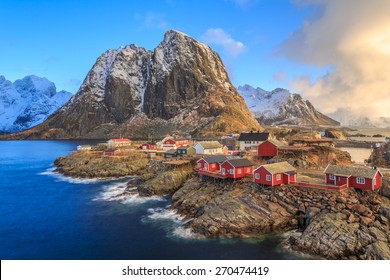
218, 37
353, 36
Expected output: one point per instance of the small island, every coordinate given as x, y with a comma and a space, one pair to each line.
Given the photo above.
339, 223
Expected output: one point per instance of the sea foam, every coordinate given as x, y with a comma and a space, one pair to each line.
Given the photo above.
119, 191
172, 222
62, 178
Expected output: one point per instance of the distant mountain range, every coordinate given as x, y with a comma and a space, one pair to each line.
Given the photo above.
28, 102
281, 107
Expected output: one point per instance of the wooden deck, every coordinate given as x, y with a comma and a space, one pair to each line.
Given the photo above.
214, 174
218, 174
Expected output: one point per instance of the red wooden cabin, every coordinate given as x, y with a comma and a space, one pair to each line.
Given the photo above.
275, 174
268, 148
211, 163
174, 143
360, 177
148, 146
237, 168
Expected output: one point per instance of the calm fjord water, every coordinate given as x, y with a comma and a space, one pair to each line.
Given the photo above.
44, 215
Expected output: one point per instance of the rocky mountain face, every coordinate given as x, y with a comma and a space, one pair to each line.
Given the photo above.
281, 107
28, 102
180, 86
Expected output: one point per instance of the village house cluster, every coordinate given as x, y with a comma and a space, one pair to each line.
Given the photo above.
220, 161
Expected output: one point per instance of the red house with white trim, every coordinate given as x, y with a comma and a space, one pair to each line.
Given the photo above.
174, 143
275, 174
211, 163
268, 148
237, 168
148, 146
359, 177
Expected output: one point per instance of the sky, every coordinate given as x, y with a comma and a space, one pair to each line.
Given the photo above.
335, 53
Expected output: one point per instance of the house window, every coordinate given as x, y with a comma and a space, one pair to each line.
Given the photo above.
248, 169
278, 177
212, 165
231, 171
223, 171
257, 176
361, 180
268, 177
199, 164
206, 166
239, 171
247, 142
332, 177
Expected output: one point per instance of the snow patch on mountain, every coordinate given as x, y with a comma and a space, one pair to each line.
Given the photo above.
281, 107
28, 102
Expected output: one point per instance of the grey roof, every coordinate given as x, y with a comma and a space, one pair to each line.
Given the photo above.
171, 151
355, 171
217, 158
240, 162
210, 144
253, 136
279, 167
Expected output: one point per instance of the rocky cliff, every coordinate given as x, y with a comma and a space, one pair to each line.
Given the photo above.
280, 107
180, 86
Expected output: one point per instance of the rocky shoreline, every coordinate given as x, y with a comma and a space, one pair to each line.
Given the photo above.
334, 225
351, 224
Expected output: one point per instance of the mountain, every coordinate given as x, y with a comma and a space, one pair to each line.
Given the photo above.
181, 86
280, 107
28, 102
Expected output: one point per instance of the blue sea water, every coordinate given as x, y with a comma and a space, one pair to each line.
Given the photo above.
44, 215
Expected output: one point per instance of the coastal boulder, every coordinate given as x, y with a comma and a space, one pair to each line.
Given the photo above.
165, 183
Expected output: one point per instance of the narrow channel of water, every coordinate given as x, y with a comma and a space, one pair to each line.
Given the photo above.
358, 155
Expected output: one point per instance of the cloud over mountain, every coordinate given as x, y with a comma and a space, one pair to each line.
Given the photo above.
353, 37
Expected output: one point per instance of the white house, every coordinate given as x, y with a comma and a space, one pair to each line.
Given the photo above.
209, 148
84, 147
251, 140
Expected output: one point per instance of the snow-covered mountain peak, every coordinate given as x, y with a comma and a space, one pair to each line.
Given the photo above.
31, 85
182, 85
280, 106
28, 102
